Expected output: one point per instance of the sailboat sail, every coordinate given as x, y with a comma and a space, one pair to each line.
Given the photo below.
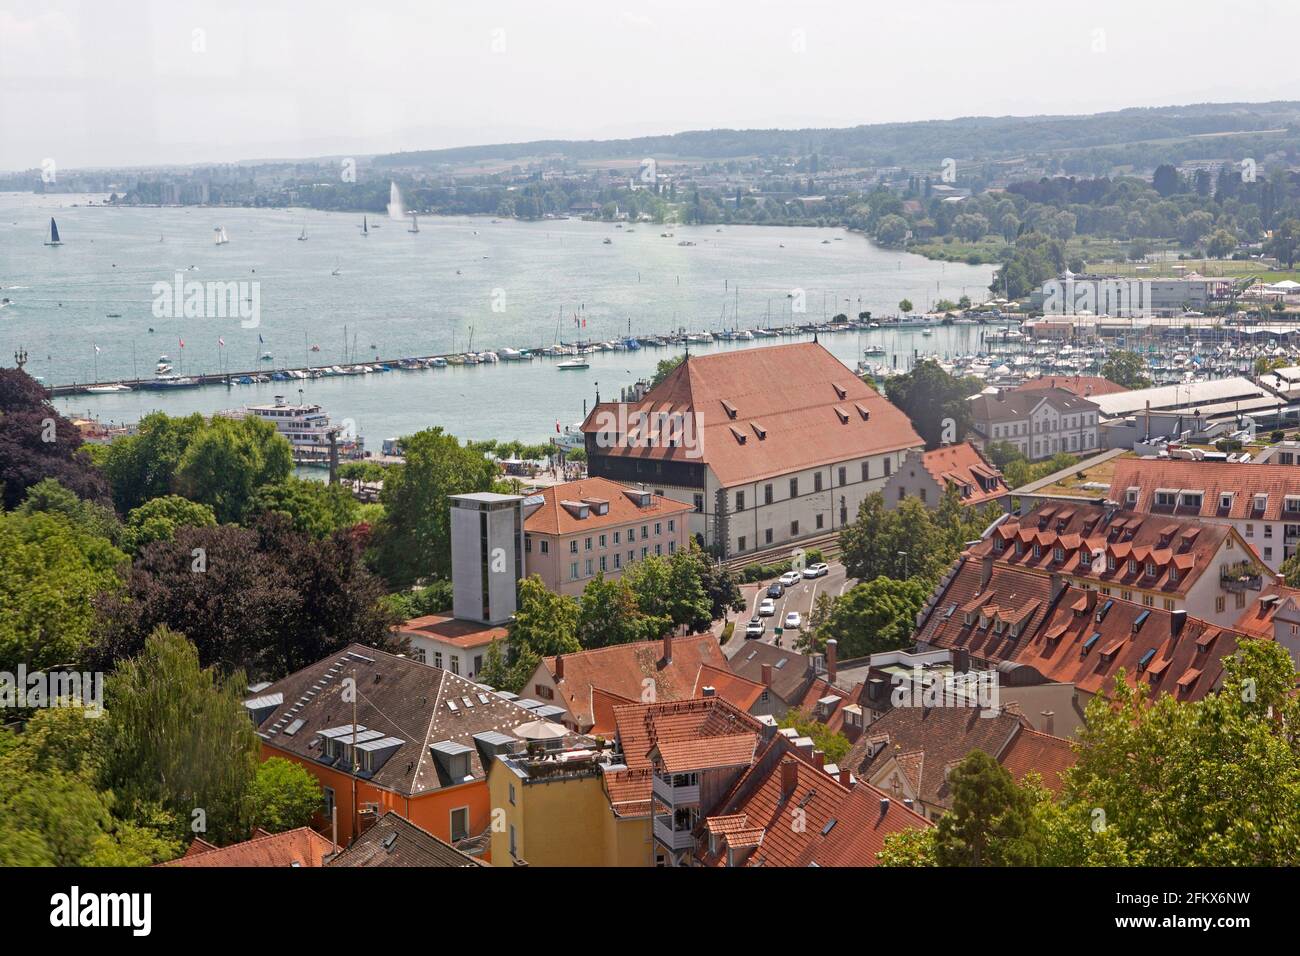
219, 234
54, 239
415, 224
396, 208
365, 228
303, 237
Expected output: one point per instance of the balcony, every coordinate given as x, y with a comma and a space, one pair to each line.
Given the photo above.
1243, 576
681, 796
673, 839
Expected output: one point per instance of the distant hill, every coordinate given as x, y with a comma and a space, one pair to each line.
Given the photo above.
971, 138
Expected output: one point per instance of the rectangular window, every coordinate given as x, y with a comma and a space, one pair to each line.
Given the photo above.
1219, 604
672, 525
672, 547
573, 546
587, 567
603, 540
618, 537
573, 571
817, 481
455, 665
767, 494
866, 471
658, 529
546, 546
645, 531
459, 823
586, 544
618, 561
767, 536
844, 475
740, 501
794, 528
889, 467
699, 504
819, 519
437, 659
740, 543
794, 487
603, 566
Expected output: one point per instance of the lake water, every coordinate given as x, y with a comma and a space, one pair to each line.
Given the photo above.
510, 283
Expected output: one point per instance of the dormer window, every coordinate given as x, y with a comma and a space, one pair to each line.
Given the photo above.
1131, 497
1151, 569
1132, 566
1261, 502
1058, 555
999, 545
1110, 562
1225, 502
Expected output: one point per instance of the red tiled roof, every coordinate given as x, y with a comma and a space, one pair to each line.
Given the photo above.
551, 517
731, 687
1053, 643
682, 756
450, 630
796, 406
603, 703
962, 465
1031, 750
623, 669
841, 825
300, 847
1181, 551
1085, 386
1213, 479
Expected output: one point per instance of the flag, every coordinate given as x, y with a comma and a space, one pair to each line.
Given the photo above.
259, 338
557, 426
584, 323
182, 341
221, 342
96, 349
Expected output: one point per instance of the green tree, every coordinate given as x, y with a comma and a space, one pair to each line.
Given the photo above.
877, 615
832, 743
891, 231
610, 614
991, 822
179, 736
142, 466
159, 518
545, 623
905, 306
934, 401
282, 796
51, 570
227, 461
1125, 368
313, 507
413, 540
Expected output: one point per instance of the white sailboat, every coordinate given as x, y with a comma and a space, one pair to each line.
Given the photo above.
415, 224
338, 271
365, 227
303, 237
396, 208
220, 235
53, 239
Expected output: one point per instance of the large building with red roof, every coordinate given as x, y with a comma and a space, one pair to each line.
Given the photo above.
1261, 502
1167, 562
768, 446
579, 529
928, 475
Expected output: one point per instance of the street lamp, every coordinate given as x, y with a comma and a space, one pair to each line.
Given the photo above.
903, 555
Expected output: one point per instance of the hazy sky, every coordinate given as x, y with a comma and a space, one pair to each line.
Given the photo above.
116, 82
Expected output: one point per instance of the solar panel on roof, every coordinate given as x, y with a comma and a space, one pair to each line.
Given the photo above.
830, 825
451, 706
335, 732
1146, 659
1091, 641
482, 698
293, 728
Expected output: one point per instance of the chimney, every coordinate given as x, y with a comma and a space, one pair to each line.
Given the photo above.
986, 571
1059, 584
559, 667
960, 658
884, 805
832, 648
1090, 596
909, 803
1176, 621
1049, 722
846, 777
767, 675
789, 777
819, 758
709, 691
668, 648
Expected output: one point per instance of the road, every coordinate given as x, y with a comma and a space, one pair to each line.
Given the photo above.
799, 598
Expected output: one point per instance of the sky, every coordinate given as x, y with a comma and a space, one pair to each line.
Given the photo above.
157, 82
